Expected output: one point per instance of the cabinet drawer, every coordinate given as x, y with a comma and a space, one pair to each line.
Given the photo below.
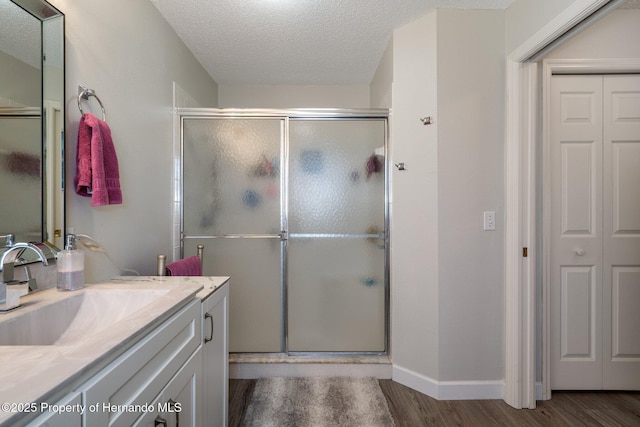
127, 387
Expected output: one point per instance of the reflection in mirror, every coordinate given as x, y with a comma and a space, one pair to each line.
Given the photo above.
31, 121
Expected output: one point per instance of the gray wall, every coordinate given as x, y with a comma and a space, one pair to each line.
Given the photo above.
129, 55
526, 17
292, 96
615, 36
447, 287
470, 181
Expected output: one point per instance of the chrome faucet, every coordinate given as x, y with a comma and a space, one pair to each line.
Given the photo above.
10, 289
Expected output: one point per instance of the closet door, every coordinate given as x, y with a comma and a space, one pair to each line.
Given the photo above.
576, 232
595, 229
621, 262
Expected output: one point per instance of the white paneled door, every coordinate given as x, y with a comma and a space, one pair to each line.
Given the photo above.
595, 232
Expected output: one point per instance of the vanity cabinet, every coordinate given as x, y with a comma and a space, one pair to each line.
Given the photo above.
147, 374
215, 343
163, 365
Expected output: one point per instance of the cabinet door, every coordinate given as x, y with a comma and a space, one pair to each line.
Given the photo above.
216, 359
141, 373
180, 400
152, 418
66, 419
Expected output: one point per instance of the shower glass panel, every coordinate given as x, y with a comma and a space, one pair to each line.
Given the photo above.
231, 176
336, 295
292, 205
255, 306
232, 205
336, 251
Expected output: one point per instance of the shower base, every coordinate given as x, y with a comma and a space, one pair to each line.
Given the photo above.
260, 365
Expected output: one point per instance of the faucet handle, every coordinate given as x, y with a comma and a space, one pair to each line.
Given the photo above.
7, 272
31, 281
9, 240
10, 295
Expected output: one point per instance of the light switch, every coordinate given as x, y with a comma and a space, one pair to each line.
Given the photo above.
489, 220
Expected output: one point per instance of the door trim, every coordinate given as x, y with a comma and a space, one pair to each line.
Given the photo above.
549, 68
521, 136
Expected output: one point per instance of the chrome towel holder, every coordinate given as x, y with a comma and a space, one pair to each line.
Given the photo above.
85, 93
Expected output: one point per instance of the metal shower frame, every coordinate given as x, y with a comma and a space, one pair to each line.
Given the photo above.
286, 115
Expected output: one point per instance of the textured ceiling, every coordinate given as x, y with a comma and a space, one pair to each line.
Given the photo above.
19, 34
296, 41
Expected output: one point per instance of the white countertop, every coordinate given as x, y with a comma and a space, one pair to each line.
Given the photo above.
209, 283
46, 373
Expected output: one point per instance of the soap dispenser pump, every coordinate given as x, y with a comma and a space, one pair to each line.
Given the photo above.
70, 266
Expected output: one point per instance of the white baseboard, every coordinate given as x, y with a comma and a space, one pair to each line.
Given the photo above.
263, 370
441, 390
448, 390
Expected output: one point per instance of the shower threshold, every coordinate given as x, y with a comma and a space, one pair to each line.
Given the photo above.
258, 365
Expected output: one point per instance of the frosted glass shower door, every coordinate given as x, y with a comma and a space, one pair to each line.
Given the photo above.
336, 255
232, 205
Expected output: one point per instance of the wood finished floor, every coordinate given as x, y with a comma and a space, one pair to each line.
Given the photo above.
412, 409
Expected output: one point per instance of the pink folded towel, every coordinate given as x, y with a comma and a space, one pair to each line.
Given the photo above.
97, 172
190, 266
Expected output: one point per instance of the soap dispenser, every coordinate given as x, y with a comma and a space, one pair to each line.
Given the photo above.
70, 266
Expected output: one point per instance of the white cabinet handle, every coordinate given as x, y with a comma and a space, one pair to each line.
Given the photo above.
579, 251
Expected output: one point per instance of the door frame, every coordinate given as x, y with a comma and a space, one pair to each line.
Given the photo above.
522, 133
549, 68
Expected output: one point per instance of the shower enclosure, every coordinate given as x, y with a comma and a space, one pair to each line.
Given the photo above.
292, 204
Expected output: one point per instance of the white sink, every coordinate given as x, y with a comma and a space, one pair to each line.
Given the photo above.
72, 316
57, 340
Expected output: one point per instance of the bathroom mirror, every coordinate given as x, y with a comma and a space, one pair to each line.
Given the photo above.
32, 121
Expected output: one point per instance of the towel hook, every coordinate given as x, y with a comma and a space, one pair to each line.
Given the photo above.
427, 120
85, 93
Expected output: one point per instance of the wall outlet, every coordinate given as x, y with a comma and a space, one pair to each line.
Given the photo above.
489, 220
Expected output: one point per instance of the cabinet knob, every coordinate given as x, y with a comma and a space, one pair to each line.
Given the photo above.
579, 251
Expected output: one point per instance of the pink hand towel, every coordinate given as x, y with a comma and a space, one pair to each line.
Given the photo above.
97, 172
190, 266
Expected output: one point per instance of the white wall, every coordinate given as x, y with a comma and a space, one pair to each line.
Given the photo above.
526, 17
414, 201
615, 36
470, 181
129, 55
291, 96
447, 281
381, 84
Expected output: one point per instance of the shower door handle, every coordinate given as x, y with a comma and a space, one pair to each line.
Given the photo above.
284, 235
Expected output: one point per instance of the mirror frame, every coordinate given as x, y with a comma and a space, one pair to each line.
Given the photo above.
44, 12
